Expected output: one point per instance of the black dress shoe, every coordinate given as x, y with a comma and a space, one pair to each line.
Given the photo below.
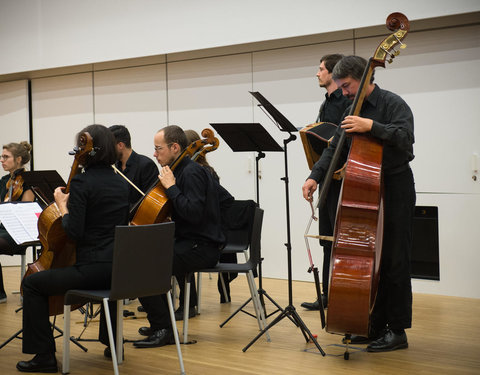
140, 308
145, 331
107, 353
388, 342
179, 313
39, 363
315, 305
161, 337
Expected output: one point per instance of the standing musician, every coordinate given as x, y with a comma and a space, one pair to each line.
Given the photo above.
387, 117
14, 157
139, 169
198, 234
97, 202
331, 110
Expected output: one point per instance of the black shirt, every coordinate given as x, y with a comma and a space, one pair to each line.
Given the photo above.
196, 205
392, 124
142, 171
333, 107
97, 203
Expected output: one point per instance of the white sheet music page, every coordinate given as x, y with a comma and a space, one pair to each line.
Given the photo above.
20, 220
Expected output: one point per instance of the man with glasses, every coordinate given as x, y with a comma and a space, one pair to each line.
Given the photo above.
193, 194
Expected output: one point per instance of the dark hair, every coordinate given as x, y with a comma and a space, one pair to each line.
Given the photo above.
350, 66
331, 60
175, 134
104, 151
22, 149
121, 134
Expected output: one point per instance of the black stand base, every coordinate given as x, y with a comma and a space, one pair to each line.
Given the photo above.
292, 314
261, 294
16, 335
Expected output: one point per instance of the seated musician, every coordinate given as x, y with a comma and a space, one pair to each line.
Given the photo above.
226, 200
139, 169
97, 202
14, 157
385, 116
198, 234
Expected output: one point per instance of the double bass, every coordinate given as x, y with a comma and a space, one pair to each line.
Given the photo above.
58, 250
357, 241
155, 207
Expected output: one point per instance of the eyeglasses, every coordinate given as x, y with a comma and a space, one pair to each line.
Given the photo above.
5, 157
158, 148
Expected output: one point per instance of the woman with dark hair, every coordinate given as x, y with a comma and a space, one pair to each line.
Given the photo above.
14, 157
97, 202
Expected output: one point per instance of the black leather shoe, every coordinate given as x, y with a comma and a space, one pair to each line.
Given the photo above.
161, 337
39, 363
145, 331
179, 313
315, 305
140, 308
388, 342
107, 353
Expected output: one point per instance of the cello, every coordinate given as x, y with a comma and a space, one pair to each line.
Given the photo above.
358, 235
58, 250
154, 207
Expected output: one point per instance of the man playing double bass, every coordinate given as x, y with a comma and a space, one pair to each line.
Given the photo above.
194, 198
387, 117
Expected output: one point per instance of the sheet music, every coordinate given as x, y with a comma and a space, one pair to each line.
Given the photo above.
20, 220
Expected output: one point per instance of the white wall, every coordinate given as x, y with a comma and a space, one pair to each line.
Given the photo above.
42, 34
436, 74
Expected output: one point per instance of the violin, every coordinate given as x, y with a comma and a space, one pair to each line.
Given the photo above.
358, 236
58, 250
155, 207
14, 186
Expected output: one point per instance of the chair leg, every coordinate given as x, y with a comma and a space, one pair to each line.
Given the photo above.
110, 336
224, 288
119, 343
66, 340
174, 291
199, 291
186, 308
262, 321
175, 332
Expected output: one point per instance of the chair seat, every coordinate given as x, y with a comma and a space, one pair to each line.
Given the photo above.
81, 296
229, 267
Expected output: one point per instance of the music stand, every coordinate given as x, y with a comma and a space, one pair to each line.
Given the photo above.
242, 137
286, 126
43, 184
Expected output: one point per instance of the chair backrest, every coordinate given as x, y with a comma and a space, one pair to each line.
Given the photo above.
237, 222
256, 237
142, 260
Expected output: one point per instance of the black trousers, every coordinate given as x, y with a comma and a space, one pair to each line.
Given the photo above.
326, 225
37, 330
393, 306
189, 256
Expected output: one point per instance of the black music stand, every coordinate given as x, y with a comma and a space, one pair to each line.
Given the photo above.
243, 137
286, 126
43, 184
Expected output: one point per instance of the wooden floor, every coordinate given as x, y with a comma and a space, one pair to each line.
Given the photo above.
443, 340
